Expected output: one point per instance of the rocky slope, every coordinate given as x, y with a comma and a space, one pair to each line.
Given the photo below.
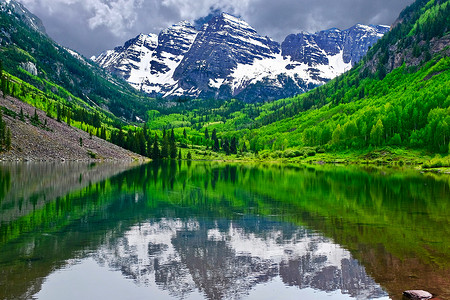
227, 58
57, 142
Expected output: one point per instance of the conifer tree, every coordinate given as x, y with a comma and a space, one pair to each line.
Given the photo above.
21, 115
226, 147
165, 147
35, 118
2, 130
121, 138
58, 113
233, 146
155, 151
216, 146
8, 139
172, 146
4, 86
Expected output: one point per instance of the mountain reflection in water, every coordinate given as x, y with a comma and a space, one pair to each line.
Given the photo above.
225, 259
222, 231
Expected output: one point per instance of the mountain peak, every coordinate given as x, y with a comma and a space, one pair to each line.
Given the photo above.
231, 20
16, 8
227, 58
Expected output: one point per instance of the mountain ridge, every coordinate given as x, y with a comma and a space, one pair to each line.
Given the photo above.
227, 58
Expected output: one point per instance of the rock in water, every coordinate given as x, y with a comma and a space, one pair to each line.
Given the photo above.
417, 294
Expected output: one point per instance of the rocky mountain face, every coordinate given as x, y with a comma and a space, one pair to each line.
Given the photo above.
315, 49
227, 58
19, 11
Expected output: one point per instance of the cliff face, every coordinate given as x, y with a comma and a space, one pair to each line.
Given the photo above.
226, 58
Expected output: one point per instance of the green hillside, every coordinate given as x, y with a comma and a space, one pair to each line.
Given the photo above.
29, 54
395, 99
393, 105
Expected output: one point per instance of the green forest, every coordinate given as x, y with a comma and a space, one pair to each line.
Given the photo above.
372, 113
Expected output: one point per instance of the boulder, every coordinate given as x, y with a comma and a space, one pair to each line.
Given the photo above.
417, 294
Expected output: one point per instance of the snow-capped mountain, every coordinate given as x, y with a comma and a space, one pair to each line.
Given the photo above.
227, 58
20, 12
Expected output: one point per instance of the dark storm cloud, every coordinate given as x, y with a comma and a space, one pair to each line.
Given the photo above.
92, 26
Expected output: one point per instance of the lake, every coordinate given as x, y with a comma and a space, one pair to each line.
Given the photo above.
209, 230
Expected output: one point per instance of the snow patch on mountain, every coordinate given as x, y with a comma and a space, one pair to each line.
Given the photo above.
228, 58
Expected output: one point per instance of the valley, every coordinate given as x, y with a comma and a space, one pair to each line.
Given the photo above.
207, 161
391, 107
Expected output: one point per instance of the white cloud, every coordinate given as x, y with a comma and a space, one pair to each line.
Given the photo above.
119, 16
191, 10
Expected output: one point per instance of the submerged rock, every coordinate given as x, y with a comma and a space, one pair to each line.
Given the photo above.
417, 294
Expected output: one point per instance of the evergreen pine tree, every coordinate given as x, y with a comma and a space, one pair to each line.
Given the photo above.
155, 151
172, 146
216, 146
58, 113
233, 146
184, 133
179, 155
35, 118
165, 147
121, 138
3, 86
226, 147
189, 155
103, 133
21, 115
8, 139
146, 135
2, 130
207, 134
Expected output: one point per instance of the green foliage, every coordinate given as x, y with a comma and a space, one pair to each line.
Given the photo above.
22, 44
377, 134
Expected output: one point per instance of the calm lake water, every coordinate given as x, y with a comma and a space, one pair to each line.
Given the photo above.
182, 230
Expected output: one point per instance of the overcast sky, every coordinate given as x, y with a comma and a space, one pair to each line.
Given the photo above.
92, 26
